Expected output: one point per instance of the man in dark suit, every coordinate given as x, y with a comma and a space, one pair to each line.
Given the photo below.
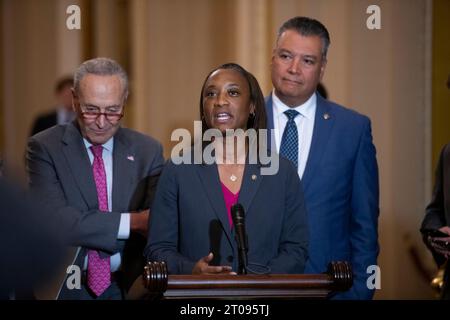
332, 148
437, 217
63, 112
30, 243
100, 179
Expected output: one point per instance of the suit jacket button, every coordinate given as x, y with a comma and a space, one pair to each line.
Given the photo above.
230, 258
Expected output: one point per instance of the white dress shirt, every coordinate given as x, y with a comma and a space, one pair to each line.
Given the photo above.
304, 122
124, 227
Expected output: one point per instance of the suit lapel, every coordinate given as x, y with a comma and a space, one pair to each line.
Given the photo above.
250, 184
323, 124
123, 168
77, 158
270, 125
209, 176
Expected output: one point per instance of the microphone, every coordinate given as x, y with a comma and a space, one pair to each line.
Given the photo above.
215, 238
238, 216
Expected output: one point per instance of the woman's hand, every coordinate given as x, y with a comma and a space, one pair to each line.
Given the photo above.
202, 267
441, 245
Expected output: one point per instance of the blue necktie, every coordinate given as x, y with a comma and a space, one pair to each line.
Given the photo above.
289, 141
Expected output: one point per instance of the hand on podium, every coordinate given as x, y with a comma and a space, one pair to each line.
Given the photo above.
202, 267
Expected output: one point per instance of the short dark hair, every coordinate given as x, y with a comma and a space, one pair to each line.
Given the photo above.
63, 83
256, 97
258, 121
322, 90
102, 67
307, 27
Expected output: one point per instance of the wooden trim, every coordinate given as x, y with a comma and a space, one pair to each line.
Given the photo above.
157, 284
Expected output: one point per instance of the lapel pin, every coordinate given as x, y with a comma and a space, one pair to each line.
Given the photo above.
131, 158
254, 177
326, 116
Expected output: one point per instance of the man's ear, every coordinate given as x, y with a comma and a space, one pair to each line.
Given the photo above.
322, 67
74, 99
125, 97
274, 51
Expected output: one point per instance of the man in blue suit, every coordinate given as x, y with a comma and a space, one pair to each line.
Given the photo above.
333, 151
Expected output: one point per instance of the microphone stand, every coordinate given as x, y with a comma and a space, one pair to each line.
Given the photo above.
242, 256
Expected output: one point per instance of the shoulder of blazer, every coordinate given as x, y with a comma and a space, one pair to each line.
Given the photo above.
350, 118
445, 152
51, 136
341, 110
134, 138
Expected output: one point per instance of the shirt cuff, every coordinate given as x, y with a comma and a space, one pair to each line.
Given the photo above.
124, 227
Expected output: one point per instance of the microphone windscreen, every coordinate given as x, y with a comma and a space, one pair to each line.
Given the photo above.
237, 214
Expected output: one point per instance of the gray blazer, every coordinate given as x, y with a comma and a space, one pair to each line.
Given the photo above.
437, 214
189, 219
61, 175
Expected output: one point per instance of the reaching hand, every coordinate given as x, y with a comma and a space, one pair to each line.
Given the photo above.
139, 222
441, 245
202, 267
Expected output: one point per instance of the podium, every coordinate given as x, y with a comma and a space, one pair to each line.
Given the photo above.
157, 284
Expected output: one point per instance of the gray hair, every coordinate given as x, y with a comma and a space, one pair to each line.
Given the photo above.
307, 27
101, 67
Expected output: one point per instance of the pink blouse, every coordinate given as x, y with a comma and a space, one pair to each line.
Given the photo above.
230, 200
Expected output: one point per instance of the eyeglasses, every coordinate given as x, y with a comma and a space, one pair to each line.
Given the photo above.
92, 113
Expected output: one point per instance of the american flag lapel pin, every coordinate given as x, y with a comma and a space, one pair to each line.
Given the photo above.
131, 158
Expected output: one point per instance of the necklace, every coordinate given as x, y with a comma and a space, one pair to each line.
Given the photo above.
226, 174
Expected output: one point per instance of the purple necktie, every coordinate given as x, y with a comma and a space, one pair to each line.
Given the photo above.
99, 270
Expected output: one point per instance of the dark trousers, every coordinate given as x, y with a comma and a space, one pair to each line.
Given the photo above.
446, 289
114, 291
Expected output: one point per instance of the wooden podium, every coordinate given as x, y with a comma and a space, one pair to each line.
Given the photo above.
157, 284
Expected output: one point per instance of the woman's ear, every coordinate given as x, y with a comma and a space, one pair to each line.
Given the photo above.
252, 109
